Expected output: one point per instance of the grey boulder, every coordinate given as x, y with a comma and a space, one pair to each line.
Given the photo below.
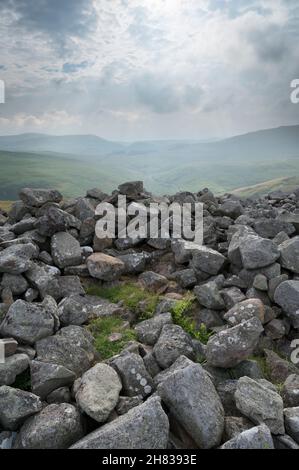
258, 437
16, 258
46, 377
97, 392
144, 427
39, 197
16, 406
287, 297
12, 367
230, 347
260, 404
172, 343
192, 398
65, 250
57, 426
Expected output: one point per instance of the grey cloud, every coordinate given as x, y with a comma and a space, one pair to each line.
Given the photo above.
270, 44
56, 18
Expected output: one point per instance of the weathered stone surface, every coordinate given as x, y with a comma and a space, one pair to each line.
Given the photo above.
209, 296
46, 377
192, 399
258, 437
39, 197
125, 404
65, 250
61, 350
260, 404
153, 281
270, 228
289, 254
16, 282
290, 391
44, 278
143, 427
97, 392
287, 296
30, 322
13, 366
56, 220
257, 252
172, 343
16, 406
279, 369
245, 311
207, 260
148, 331
16, 258
135, 378
55, 427
105, 267
291, 417
230, 347
131, 188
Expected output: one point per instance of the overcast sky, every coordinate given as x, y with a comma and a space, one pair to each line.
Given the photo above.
148, 69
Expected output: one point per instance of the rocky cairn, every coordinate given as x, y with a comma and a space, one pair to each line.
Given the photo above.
228, 381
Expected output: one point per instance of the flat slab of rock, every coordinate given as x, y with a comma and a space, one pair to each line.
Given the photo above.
144, 427
16, 406
260, 404
30, 322
192, 398
57, 426
105, 267
289, 254
230, 347
97, 392
258, 437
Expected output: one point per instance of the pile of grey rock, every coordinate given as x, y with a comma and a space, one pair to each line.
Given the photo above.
166, 389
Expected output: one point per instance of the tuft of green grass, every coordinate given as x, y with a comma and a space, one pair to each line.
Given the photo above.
102, 328
23, 381
131, 295
180, 317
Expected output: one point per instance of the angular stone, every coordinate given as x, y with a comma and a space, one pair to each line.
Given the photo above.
191, 397
207, 260
257, 252
134, 376
153, 281
97, 392
260, 404
230, 347
269, 228
245, 311
287, 297
144, 427
65, 250
105, 267
30, 322
39, 197
127, 403
56, 220
279, 369
209, 296
289, 254
258, 437
172, 343
290, 391
13, 366
16, 406
46, 377
16, 258
131, 188
55, 427
291, 417
148, 331
16, 282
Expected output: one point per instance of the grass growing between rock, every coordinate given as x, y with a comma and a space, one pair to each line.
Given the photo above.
180, 317
131, 295
102, 328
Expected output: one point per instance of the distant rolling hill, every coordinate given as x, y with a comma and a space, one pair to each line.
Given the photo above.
280, 184
75, 163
